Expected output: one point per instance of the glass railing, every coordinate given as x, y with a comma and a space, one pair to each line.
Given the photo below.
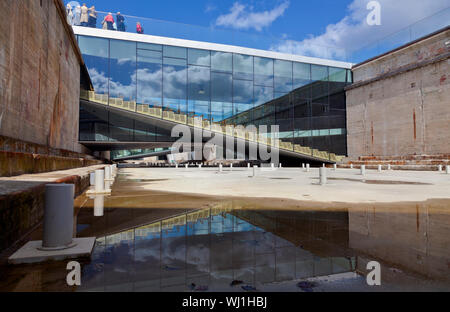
237, 131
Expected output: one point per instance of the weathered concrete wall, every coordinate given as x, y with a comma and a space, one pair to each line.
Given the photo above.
39, 75
399, 102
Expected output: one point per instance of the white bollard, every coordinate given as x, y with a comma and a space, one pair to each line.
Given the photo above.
58, 216
231, 167
351, 166
220, 168
389, 167
323, 176
92, 178
363, 170
200, 167
254, 170
99, 181
99, 206
380, 168
303, 165
447, 169
440, 168
308, 168
281, 165
335, 167
107, 173
248, 166
176, 166
272, 166
187, 166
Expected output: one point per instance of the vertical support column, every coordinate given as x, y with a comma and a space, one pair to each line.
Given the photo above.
99, 181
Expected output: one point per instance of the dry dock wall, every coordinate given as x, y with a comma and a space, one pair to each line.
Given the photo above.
399, 103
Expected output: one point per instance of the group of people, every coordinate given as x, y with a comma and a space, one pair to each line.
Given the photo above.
87, 17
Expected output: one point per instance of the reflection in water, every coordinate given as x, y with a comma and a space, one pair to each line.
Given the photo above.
211, 248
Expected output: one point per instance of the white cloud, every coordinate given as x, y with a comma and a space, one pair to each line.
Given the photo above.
352, 33
243, 17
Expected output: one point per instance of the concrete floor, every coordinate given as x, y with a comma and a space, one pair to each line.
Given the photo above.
344, 185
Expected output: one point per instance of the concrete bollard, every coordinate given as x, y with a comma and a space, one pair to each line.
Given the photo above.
220, 168
248, 166
363, 170
323, 176
231, 167
176, 166
92, 178
303, 165
58, 216
440, 168
281, 165
351, 166
187, 166
200, 167
447, 169
335, 167
272, 166
99, 181
99, 206
254, 170
107, 173
380, 168
389, 167
308, 168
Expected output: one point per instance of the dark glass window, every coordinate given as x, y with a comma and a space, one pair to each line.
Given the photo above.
242, 98
149, 78
174, 84
221, 96
96, 57
283, 76
149, 46
221, 62
337, 74
242, 67
199, 91
175, 52
263, 71
122, 70
302, 75
319, 72
199, 57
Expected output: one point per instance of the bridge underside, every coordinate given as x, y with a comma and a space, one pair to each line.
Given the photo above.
158, 134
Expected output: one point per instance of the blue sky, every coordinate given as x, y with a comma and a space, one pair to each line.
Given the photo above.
305, 26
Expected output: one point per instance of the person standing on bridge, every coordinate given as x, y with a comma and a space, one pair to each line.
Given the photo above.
139, 28
84, 19
120, 22
109, 19
92, 17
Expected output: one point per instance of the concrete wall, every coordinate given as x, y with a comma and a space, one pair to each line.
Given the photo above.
39, 75
399, 102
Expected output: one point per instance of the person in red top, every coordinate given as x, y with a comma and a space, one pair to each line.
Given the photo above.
109, 19
139, 28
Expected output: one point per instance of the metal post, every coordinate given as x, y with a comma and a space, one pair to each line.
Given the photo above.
58, 216
323, 176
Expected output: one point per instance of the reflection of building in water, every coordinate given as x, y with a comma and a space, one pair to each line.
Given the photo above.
415, 237
216, 246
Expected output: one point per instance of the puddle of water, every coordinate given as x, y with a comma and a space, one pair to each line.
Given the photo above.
382, 182
155, 241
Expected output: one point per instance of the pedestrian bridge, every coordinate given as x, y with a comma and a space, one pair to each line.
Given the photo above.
168, 119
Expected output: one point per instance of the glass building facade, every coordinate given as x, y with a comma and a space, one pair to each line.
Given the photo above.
306, 100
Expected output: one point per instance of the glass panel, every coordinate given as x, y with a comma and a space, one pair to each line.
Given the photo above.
149, 78
221, 61
149, 46
243, 67
177, 52
302, 74
242, 98
199, 91
221, 96
263, 71
263, 95
175, 85
122, 70
199, 57
283, 76
319, 72
95, 54
337, 74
